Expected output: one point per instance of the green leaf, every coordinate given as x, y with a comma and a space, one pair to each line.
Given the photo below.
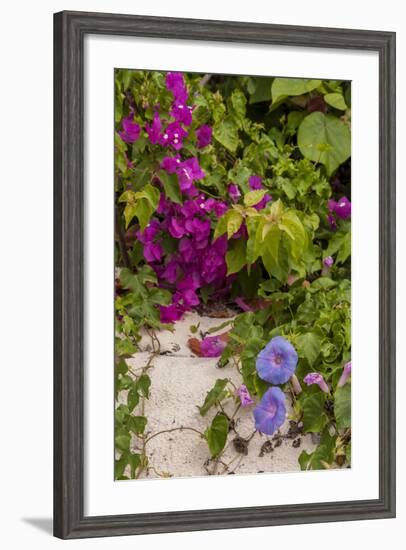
171, 186
277, 210
143, 385
323, 283
325, 139
340, 243
291, 225
122, 440
226, 133
214, 395
134, 461
323, 456
345, 249
253, 197
294, 119
254, 225
262, 89
336, 100
238, 106
123, 347
160, 296
119, 467
234, 221
282, 87
221, 227
216, 434
308, 346
133, 398
137, 424
342, 406
150, 193
236, 256
272, 254
314, 417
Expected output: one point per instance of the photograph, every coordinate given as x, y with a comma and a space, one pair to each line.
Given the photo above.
232, 274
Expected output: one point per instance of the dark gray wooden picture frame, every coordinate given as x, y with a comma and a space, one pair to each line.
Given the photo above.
70, 29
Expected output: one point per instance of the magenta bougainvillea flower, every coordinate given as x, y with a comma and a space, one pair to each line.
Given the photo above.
188, 171
244, 395
175, 83
173, 136
342, 208
277, 361
212, 346
195, 261
131, 130
270, 413
182, 113
214, 267
316, 378
255, 184
171, 271
153, 252
154, 129
170, 164
204, 135
213, 205
332, 221
171, 313
234, 192
345, 374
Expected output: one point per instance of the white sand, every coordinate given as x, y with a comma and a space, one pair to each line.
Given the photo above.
180, 382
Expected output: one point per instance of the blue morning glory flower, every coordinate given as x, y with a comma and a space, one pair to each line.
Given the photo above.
277, 361
270, 413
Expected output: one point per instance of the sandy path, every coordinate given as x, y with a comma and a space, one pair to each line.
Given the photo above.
180, 382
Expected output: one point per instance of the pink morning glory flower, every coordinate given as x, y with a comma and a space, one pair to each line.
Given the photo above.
297, 388
131, 130
244, 395
277, 361
270, 413
345, 375
328, 261
327, 264
316, 378
204, 136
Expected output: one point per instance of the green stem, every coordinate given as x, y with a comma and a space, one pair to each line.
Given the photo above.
181, 428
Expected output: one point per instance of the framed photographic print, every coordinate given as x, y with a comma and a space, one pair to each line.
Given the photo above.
224, 275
